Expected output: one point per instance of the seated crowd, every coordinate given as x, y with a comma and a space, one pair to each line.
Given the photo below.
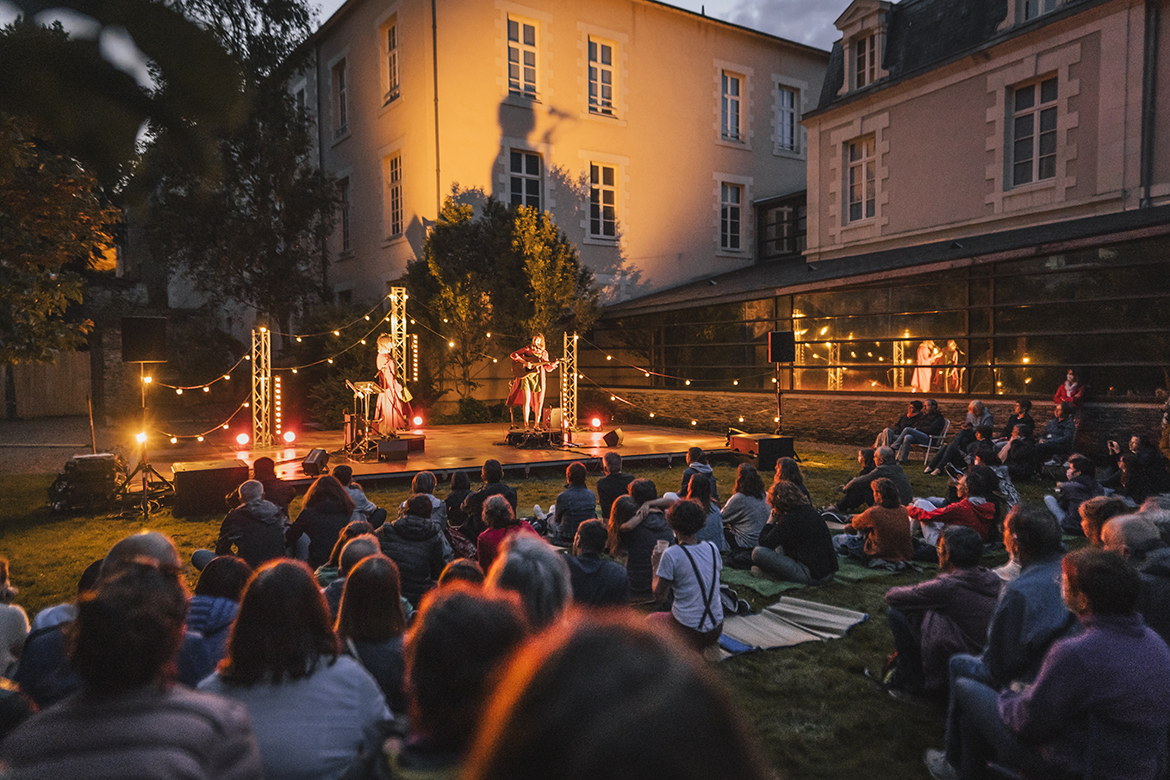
453, 635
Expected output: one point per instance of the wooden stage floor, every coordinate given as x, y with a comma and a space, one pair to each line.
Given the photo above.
451, 448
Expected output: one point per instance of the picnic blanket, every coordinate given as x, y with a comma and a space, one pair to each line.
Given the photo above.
849, 571
788, 622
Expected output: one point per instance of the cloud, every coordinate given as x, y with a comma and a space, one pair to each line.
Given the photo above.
805, 21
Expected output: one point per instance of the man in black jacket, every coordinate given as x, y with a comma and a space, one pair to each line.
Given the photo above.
415, 543
926, 425
596, 582
913, 411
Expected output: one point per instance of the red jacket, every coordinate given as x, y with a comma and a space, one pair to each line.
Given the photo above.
977, 516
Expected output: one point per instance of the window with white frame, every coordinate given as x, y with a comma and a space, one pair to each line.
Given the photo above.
730, 213
393, 83
1033, 131
392, 170
787, 117
731, 104
602, 201
522, 57
343, 192
864, 60
862, 162
340, 100
1030, 9
524, 178
601, 77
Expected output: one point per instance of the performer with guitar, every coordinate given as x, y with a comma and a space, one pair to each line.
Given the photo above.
529, 366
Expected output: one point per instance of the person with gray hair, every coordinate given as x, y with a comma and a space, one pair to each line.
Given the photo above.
254, 530
354, 551
531, 568
1136, 538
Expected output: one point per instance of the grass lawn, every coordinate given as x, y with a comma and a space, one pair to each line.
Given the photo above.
817, 715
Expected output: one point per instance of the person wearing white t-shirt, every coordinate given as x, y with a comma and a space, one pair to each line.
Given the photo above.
691, 570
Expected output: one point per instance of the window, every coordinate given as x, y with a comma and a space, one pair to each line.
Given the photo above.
393, 173
730, 204
861, 178
343, 186
865, 60
521, 58
602, 201
782, 228
340, 107
730, 106
393, 88
786, 119
524, 179
600, 77
1030, 9
1034, 132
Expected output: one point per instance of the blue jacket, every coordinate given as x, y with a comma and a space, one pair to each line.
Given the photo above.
574, 505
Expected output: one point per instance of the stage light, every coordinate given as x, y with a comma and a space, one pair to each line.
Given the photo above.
417, 420
178, 391
141, 437
289, 437
596, 422
242, 439
263, 330
147, 379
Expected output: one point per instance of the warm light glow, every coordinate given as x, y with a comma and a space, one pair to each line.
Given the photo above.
227, 376
688, 382
336, 333
330, 361
773, 380
289, 437
147, 379
246, 404
140, 437
178, 391
647, 374
1025, 360
613, 398
207, 389
294, 370
824, 330
367, 318
651, 414
198, 438
495, 360
609, 357
777, 419
174, 440
363, 342
444, 319
417, 420
225, 426
735, 382
298, 339
242, 439
741, 419
596, 422
694, 422
263, 329
451, 344
489, 335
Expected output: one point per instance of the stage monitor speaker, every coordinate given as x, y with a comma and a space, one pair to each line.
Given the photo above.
144, 339
552, 418
315, 463
200, 486
613, 438
393, 449
766, 448
781, 346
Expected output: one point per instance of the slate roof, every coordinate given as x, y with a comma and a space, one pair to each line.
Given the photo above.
924, 34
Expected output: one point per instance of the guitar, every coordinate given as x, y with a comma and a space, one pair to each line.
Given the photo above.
522, 368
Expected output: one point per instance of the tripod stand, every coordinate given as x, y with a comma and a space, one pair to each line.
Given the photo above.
144, 469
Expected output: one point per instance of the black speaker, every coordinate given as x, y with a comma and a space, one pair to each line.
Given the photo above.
393, 449
781, 346
315, 463
765, 447
613, 438
144, 339
200, 486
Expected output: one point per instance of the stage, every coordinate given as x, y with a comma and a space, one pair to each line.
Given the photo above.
453, 448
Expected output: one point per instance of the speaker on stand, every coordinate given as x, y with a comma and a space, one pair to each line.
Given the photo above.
781, 349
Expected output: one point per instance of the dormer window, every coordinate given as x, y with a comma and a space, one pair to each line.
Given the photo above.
1030, 9
865, 60
863, 29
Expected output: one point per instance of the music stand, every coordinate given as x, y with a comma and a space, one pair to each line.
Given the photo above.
363, 395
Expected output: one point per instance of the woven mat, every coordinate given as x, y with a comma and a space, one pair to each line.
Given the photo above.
788, 622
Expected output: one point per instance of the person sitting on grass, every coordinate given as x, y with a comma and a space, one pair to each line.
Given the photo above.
415, 544
327, 509
858, 491
1096, 512
531, 568
331, 569
596, 581
502, 522
354, 551
492, 474
254, 530
363, 507
1081, 485
744, 515
881, 532
614, 484
1136, 538
795, 545
697, 464
789, 470
712, 530
1100, 706
936, 619
690, 572
972, 509
216, 602
1018, 453
371, 622
574, 505
1060, 435
635, 527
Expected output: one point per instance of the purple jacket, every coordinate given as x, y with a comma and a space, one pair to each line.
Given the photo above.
1100, 706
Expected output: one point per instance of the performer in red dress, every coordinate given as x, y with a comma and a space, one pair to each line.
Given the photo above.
394, 399
529, 366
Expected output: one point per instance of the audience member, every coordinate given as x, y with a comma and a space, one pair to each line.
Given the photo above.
327, 509
216, 602
276, 489
529, 567
1096, 512
502, 523
492, 474
859, 491
614, 484
1071, 391
686, 576
978, 416
13, 622
1133, 481
1100, 706
972, 509
1018, 453
314, 710
596, 581
887, 436
461, 570
457, 519
606, 697
1060, 435
67, 611
575, 504
635, 527
944, 616
454, 650
1021, 416
795, 545
744, 515
788, 469
926, 426
371, 622
254, 530
363, 507
424, 484
415, 544
1082, 485
1157, 509
331, 569
129, 719
697, 464
712, 530
881, 532
355, 550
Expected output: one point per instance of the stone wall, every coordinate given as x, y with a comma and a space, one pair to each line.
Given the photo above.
855, 419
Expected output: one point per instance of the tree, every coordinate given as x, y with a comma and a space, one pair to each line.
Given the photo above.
53, 225
562, 292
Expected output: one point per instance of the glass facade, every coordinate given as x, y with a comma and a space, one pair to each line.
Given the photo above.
1003, 328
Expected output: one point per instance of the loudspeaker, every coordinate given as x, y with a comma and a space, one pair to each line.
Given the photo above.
613, 438
200, 486
781, 346
552, 418
393, 449
144, 339
315, 463
766, 448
